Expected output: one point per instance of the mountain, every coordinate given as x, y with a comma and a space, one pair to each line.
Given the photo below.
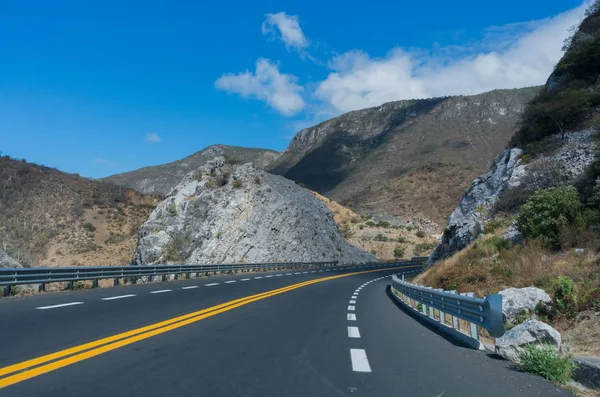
555, 146
51, 218
227, 213
405, 158
162, 178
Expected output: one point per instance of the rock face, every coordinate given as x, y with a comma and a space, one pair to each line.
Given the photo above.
466, 222
225, 213
516, 300
511, 344
7, 261
161, 179
563, 165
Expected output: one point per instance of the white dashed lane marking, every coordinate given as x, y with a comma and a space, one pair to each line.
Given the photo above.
258, 278
351, 317
351, 308
211, 284
57, 306
230, 281
190, 287
161, 291
245, 279
111, 298
353, 332
360, 362
352, 302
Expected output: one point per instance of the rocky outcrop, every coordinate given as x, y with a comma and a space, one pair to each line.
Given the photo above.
511, 344
161, 179
518, 300
466, 222
224, 213
7, 261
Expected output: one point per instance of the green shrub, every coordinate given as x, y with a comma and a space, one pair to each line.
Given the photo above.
548, 211
370, 223
381, 237
545, 361
178, 249
237, 183
565, 296
424, 248
384, 224
374, 252
89, 227
420, 234
398, 252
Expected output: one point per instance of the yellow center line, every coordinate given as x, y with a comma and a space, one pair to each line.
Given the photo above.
100, 346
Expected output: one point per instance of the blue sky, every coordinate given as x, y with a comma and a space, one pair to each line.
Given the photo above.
100, 87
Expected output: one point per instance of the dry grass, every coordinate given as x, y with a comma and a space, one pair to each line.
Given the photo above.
381, 240
490, 265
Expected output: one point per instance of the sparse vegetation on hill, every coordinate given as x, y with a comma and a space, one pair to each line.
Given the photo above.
48, 217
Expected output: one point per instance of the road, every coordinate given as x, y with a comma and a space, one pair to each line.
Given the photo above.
299, 333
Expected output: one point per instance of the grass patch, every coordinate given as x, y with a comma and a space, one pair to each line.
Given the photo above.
545, 361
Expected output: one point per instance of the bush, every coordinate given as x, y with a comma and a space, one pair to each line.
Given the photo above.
384, 224
565, 297
420, 234
370, 223
178, 249
374, 252
548, 211
237, 183
398, 252
89, 227
424, 248
545, 361
381, 237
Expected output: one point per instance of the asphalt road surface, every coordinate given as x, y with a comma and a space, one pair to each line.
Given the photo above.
286, 333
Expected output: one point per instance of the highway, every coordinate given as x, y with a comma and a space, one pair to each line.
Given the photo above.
285, 333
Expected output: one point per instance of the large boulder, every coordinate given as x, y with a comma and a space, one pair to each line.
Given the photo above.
517, 300
225, 213
8, 261
511, 344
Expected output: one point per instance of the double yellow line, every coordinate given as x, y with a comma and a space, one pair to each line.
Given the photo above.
50, 362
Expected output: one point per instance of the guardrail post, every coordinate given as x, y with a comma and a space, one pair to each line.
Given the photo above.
150, 278
187, 275
116, 282
6, 290
42, 287
94, 283
164, 278
455, 324
442, 314
176, 276
70, 285
474, 327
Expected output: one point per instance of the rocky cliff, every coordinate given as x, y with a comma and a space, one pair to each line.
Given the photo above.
162, 178
383, 160
554, 146
226, 213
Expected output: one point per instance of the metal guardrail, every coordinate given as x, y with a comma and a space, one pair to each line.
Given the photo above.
486, 313
10, 277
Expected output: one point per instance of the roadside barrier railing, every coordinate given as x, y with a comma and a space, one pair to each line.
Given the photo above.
10, 277
446, 308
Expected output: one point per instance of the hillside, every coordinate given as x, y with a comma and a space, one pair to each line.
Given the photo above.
51, 218
226, 213
385, 160
162, 178
385, 240
533, 219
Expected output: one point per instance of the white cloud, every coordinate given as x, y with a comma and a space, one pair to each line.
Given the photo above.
152, 137
267, 84
517, 55
289, 30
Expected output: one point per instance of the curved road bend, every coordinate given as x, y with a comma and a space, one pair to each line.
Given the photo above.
286, 333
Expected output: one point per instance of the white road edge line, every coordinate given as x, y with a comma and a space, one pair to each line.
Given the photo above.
117, 297
360, 362
353, 332
160, 291
61, 305
351, 317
